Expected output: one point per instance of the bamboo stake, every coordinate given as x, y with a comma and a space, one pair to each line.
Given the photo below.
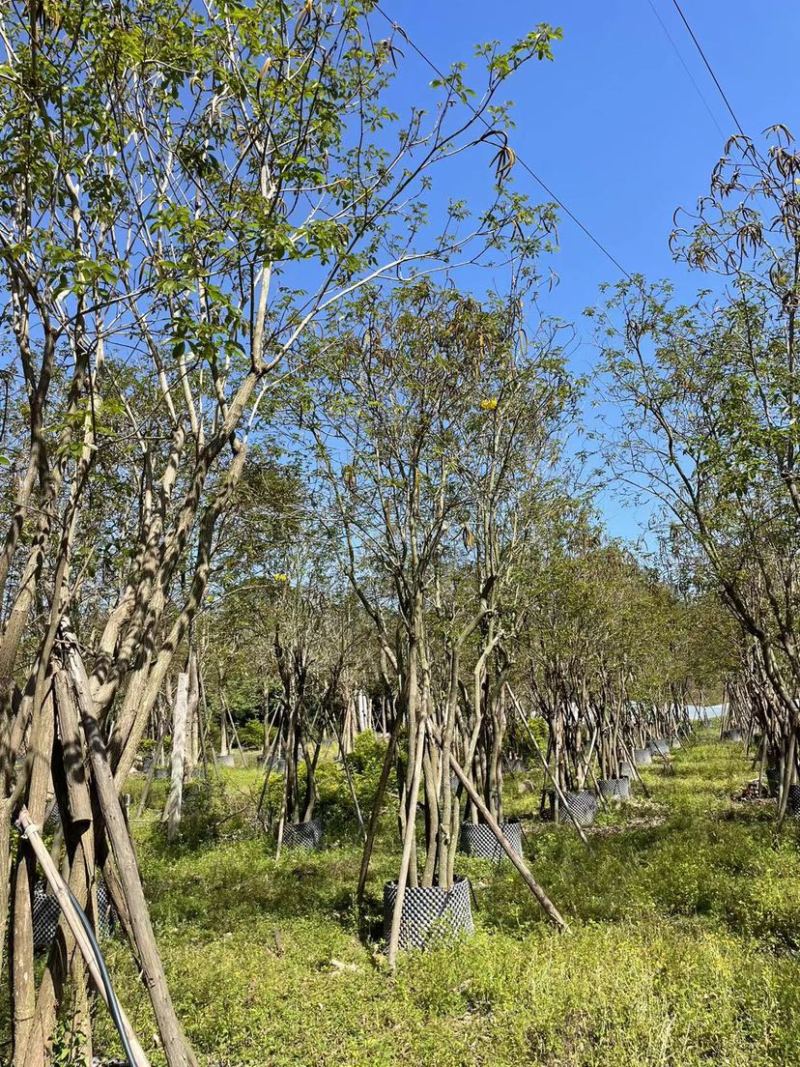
350, 783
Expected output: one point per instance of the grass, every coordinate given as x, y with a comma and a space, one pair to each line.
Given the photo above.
684, 916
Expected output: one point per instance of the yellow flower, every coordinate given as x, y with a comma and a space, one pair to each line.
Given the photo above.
489, 404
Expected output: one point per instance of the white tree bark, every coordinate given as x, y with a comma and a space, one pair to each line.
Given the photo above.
172, 809
192, 716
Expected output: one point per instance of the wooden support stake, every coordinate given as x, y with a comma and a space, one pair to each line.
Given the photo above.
547, 905
31, 833
375, 814
547, 770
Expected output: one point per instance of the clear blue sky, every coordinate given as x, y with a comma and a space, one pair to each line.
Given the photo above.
615, 125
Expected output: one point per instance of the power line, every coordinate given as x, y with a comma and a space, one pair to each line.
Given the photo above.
529, 170
709, 68
683, 63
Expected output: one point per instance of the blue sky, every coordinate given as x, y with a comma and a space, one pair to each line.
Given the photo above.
615, 124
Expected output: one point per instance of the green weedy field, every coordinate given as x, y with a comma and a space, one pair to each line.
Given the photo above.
685, 923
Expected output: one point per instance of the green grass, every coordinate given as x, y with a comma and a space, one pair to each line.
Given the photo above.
682, 947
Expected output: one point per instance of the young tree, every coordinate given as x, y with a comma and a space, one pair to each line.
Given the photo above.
427, 424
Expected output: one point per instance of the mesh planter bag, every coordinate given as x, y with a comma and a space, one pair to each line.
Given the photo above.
659, 746
793, 801
430, 914
303, 834
478, 840
753, 791
732, 735
46, 914
582, 806
53, 820
642, 757
625, 770
614, 788
773, 780
676, 743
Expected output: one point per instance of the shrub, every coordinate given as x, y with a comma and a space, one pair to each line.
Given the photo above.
251, 734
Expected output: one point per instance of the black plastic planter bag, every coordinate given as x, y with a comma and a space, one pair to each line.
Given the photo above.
773, 780
582, 806
47, 912
614, 788
793, 801
430, 914
303, 834
478, 840
642, 757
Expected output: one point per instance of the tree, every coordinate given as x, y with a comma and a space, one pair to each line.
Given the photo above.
427, 424
183, 192
708, 393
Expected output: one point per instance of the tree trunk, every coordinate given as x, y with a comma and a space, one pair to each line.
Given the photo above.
176, 1048
172, 809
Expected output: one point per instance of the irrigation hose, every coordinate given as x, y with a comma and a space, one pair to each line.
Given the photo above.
66, 899
113, 1003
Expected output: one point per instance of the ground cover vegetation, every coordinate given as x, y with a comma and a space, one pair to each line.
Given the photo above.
321, 683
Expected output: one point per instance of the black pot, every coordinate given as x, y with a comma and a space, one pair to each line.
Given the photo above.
478, 840
614, 788
47, 912
642, 757
430, 914
306, 835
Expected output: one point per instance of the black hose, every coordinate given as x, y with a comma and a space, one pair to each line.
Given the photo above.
113, 1003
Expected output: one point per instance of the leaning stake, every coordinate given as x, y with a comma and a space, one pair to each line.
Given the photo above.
547, 770
547, 905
